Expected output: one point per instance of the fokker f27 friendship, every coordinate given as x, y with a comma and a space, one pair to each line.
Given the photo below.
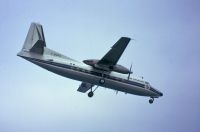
104, 72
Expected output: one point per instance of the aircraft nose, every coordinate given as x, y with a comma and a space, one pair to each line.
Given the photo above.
156, 91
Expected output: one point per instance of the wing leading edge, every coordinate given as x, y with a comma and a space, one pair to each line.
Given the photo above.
114, 54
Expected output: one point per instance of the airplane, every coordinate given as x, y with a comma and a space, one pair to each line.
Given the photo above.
92, 72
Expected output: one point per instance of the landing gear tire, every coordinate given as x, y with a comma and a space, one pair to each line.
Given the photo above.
102, 81
151, 101
90, 94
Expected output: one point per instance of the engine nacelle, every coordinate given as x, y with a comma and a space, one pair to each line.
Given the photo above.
116, 68
91, 62
121, 69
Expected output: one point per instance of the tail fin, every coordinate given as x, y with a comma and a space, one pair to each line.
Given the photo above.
35, 41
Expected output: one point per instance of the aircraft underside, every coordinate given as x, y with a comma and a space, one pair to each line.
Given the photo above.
35, 51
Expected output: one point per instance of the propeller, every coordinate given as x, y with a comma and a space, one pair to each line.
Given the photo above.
130, 71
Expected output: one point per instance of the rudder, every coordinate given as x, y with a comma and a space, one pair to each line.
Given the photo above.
35, 40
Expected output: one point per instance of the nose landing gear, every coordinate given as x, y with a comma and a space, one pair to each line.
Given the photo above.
151, 100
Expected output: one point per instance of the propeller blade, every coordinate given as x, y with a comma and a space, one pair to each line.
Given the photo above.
130, 71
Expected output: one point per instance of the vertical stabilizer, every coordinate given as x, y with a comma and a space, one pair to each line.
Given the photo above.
35, 41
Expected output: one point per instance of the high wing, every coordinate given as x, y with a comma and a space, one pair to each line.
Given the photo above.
113, 55
84, 87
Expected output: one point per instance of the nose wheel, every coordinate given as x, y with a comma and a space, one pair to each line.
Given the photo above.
151, 100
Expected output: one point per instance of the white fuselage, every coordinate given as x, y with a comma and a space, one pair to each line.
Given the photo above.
70, 68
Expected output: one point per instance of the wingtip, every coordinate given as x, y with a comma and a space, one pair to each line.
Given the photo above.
126, 38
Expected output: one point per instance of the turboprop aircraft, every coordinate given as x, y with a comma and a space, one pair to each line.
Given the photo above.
104, 72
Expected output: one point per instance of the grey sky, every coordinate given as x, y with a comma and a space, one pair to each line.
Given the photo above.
165, 51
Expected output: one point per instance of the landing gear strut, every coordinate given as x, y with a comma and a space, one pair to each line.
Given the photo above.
151, 100
91, 93
101, 82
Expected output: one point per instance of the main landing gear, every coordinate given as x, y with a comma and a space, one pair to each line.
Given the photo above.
151, 100
91, 93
